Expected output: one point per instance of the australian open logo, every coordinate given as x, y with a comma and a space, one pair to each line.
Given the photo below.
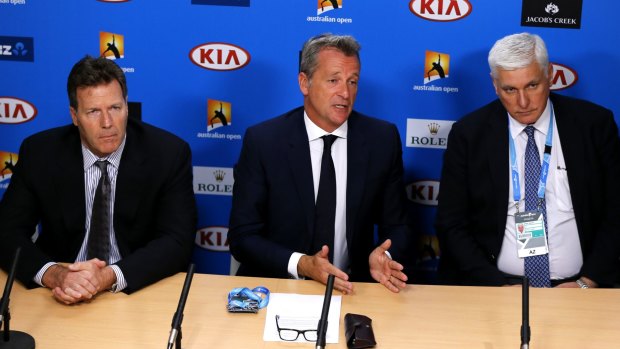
428, 133
213, 180
325, 6
219, 116
436, 70
7, 161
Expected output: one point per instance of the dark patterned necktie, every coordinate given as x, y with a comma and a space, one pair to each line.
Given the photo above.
536, 267
325, 210
99, 237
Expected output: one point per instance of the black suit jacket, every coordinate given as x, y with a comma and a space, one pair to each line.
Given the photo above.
273, 197
154, 208
474, 190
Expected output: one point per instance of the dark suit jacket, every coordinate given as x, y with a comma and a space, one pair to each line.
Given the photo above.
154, 208
474, 190
273, 197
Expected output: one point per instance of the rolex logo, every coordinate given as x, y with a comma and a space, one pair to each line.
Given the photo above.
219, 175
433, 127
552, 8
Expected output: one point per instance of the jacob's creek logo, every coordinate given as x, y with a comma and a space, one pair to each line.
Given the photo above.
213, 180
15, 48
7, 163
325, 6
436, 69
219, 56
16, 111
219, 114
556, 13
423, 192
563, 77
213, 238
428, 133
440, 10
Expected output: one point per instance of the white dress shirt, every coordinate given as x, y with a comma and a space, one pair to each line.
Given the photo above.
339, 156
565, 257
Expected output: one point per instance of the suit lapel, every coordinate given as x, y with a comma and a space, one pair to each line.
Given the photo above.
357, 164
131, 182
69, 178
497, 151
298, 154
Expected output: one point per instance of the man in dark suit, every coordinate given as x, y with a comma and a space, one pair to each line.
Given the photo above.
149, 221
484, 186
274, 223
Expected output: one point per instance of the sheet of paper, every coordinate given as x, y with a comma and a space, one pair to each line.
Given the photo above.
303, 311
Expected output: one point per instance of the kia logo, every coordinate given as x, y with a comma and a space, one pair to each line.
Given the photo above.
213, 238
563, 77
16, 111
440, 10
423, 192
219, 56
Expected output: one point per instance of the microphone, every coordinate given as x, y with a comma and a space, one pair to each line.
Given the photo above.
12, 339
525, 314
322, 326
177, 319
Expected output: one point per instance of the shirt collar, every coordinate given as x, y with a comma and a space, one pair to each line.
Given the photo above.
114, 158
315, 132
542, 124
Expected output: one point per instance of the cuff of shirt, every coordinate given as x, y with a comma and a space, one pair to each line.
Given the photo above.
121, 284
292, 264
39, 277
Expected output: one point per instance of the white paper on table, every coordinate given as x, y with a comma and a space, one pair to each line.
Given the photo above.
304, 308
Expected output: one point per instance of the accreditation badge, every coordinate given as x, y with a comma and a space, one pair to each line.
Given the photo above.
531, 235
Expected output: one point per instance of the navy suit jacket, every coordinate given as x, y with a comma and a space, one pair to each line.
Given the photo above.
154, 208
273, 197
473, 198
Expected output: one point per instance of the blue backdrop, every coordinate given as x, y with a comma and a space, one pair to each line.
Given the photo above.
207, 69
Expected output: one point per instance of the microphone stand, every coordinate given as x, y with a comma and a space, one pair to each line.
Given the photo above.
175, 332
525, 314
12, 339
322, 326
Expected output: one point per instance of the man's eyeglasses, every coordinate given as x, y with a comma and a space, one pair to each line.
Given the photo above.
291, 334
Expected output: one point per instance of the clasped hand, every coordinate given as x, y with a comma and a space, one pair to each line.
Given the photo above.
79, 281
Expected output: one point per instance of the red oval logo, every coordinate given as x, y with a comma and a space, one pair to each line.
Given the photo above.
423, 192
16, 111
219, 56
563, 77
213, 238
440, 10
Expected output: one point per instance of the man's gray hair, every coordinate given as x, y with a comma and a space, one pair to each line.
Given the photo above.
518, 51
310, 51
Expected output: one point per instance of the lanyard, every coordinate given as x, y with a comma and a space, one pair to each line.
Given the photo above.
544, 170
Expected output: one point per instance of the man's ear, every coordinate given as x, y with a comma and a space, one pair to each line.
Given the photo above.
304, 83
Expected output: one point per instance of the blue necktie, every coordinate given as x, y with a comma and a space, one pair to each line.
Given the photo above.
325, 209
536, 267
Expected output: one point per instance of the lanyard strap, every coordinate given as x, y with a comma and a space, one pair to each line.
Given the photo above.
544, 170
240, 296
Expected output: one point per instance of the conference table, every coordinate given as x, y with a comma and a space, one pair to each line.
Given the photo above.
421, 316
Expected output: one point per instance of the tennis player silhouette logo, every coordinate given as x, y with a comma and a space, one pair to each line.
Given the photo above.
438, 68
328, 5
112, 48
8, 166
218, 114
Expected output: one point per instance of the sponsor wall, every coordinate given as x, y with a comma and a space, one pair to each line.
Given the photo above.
208, 69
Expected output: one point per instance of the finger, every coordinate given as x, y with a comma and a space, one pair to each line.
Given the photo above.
394, 265
323, 252
398, 282
390, 285
386, 244
400, 276
343, 286
62, 297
